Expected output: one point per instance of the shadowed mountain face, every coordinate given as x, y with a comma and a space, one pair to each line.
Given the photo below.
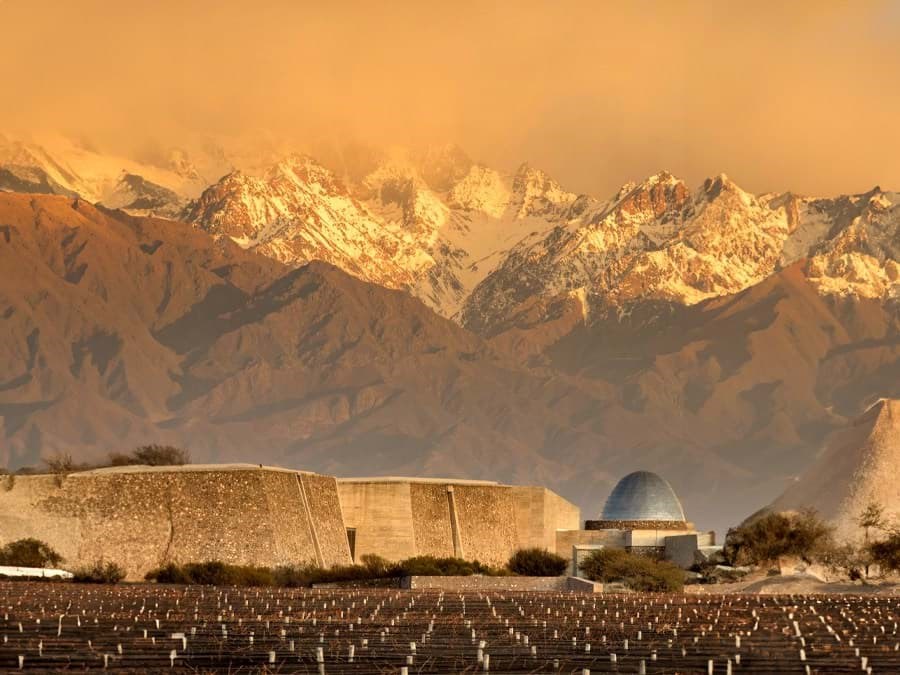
118, 330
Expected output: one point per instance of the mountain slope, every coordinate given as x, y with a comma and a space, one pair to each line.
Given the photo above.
857, 468
121, 330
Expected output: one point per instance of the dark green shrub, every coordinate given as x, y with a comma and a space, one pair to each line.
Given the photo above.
99, 572
29, 553
426, 565
215, 573
637, 572
168, 574
537, 562
773, 535
886, 553
378, 566
297, 576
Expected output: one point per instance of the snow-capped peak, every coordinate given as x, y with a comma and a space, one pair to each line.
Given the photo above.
537, 194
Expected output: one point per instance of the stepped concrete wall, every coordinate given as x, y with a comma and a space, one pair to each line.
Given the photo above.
399, 518
142, 517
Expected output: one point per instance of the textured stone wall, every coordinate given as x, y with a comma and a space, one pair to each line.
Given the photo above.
479, 583
141, 518
487, 522
680, 525
430, 512
327, 518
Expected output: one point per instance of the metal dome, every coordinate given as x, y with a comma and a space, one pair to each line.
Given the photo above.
643, 495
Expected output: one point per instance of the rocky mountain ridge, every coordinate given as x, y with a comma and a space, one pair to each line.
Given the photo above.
499, 252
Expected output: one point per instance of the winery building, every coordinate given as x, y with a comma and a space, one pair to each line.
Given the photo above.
143, 517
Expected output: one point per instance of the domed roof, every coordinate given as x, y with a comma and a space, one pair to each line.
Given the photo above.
643, 495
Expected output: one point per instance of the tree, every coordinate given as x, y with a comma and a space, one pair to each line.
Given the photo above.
29, 553
871, 517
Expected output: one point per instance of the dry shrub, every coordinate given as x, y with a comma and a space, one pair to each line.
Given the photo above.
99, 572
774, 535
537, 562
152, 455
637, 572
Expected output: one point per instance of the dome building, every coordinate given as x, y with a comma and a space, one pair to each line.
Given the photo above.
641, 500
642, 514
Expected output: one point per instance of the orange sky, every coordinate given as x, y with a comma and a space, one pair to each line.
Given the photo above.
804, 98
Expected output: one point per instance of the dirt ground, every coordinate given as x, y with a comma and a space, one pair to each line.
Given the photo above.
796, 584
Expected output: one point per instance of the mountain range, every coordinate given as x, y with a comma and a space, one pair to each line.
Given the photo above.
422, 313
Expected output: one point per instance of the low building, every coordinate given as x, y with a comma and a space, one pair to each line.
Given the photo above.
642, 514
398, 518
142, 517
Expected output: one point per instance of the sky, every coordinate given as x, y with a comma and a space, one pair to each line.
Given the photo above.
802, 97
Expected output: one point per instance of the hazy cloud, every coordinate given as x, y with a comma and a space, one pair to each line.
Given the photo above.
803, 97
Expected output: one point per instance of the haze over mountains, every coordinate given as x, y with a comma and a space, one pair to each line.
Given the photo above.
400, 312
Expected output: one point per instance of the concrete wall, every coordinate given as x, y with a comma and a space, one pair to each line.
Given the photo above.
398, 518
381, 513
142, 517
476, 583
651, 538
682, 549
566, 539
540, 514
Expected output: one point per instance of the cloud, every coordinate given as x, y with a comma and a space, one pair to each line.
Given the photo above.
800, 98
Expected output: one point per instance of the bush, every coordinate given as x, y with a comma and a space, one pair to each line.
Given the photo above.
773, 535
152, 455
212, 573
886, 553
426, 565
99, 572
216, 573
637, 572
61, 463
29, 553
537, 562
848, 560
